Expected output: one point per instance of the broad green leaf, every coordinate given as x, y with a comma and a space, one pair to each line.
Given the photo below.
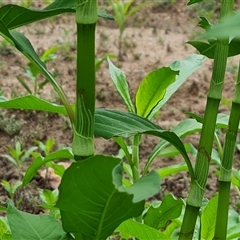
185, 68
152, 90
140, 231
233, 225
225, 29
40, 161
194, 1
108, 124
120, 82
15, 16
91, 204
169, 209
208, 49
172, 169
35, 227
208, 219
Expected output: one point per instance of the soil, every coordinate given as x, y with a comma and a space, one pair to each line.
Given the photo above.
154, 37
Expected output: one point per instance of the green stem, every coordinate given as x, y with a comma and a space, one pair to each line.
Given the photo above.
226, 166
194, 200
83, 140
135, 157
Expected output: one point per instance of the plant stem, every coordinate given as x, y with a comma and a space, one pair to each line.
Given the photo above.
194, 200
226, 166
83, 140
135, 157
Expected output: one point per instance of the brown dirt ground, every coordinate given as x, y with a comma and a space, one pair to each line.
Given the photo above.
155, 37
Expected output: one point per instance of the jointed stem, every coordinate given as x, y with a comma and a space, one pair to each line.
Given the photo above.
194, 200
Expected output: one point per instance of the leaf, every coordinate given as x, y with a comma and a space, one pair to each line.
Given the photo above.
193, 2
172, 169
208, 219
15, 16
208, 49
140, 231
24, 46
95, 204
169, 209
31, 102
225, 29
152, 90
35, 227
233, 225
120, 82
108, 124
204, 23
184, 128
40, 161
185, 68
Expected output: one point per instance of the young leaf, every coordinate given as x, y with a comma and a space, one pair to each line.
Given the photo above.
120, 82
39, 161
185, 68
140, 231
172, 169
95, 195
35, 227
152, 90
208, 219
169, 209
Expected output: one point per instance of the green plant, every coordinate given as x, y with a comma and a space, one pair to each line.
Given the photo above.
96, 200
123, 10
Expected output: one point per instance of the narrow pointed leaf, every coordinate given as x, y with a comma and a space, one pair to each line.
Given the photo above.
91, 204
35, 227
152, 90
140, 231
194, 1
185, 68
15, 16
120, 82
204, 23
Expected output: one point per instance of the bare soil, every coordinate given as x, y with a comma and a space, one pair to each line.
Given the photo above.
154, 37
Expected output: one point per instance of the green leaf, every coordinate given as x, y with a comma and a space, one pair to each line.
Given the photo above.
39, 161
48, 196
32, 102
120, 82
204, 23
233, 225
24, 46
108, 124
172, 169
92, 204
185, 68
208, 49
5, 233
208, 219
152, 90
169, 209
225, 29
35, 227
140, 231
18, 16
184, 128
193, 2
